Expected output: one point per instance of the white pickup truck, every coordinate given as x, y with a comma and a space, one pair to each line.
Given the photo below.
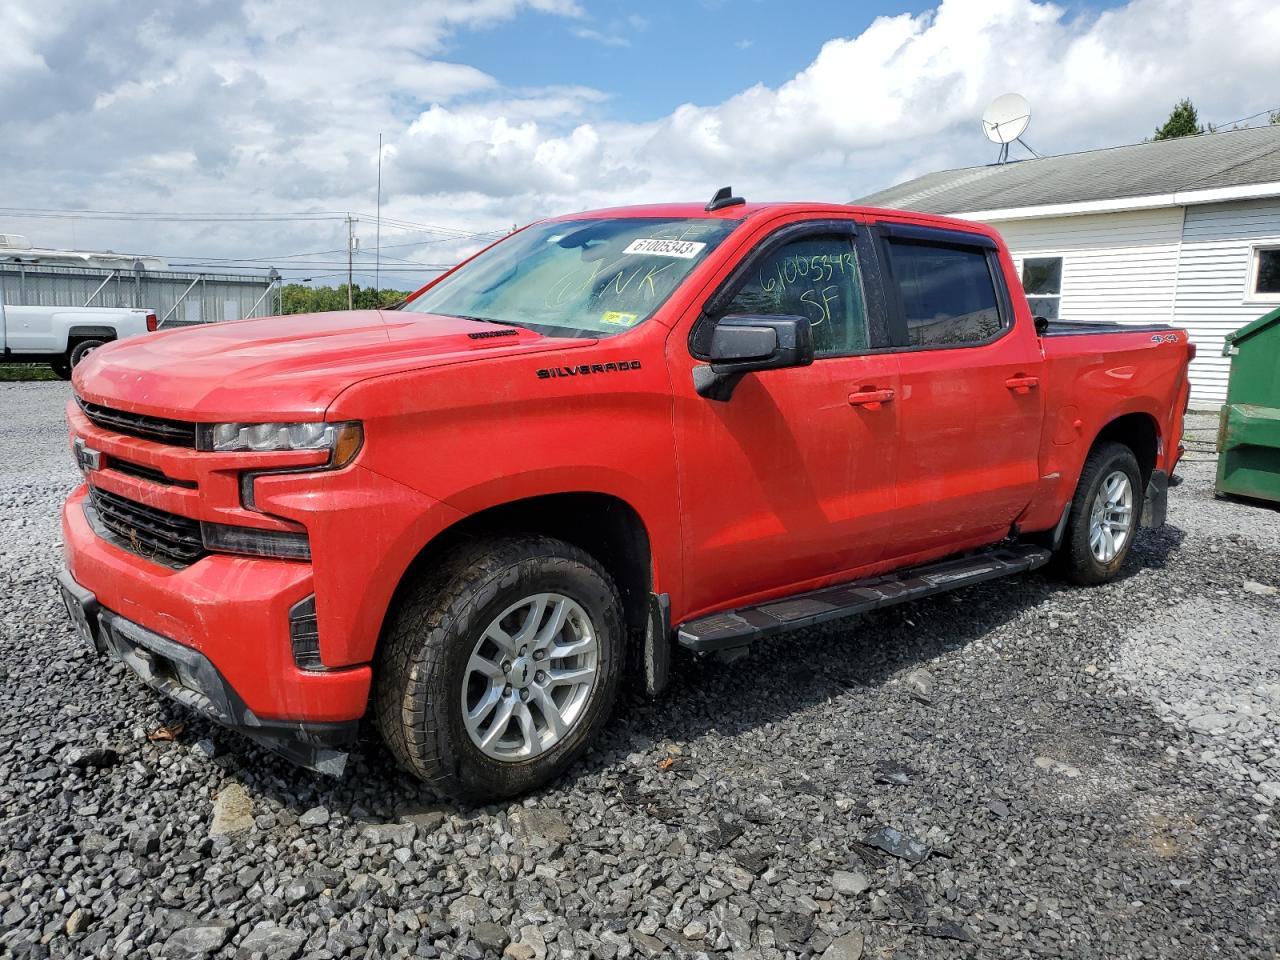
63, 336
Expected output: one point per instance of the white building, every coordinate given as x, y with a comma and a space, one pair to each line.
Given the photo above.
1183, 231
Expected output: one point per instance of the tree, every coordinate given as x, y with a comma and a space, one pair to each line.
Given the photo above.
298, 298
1182, 122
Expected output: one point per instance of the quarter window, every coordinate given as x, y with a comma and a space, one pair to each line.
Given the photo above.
1264, 274
1042, 283
815, 277
948, 295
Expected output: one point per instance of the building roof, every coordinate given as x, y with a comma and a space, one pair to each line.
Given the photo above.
15, 248
1213, 166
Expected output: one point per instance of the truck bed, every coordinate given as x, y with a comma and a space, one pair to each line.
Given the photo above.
1075, 328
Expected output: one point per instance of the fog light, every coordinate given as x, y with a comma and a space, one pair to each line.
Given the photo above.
274, 544
304, 635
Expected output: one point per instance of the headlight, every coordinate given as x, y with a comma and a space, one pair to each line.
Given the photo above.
342, 440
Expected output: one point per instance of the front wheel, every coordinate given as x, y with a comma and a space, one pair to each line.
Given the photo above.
498, 670
1104, 515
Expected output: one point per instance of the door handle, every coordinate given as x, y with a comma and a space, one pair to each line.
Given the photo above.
1022, 384
870, 398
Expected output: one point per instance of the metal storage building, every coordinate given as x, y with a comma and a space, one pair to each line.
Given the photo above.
179, 298
1185, 231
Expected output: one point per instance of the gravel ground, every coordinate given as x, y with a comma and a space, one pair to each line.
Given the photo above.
1020, 769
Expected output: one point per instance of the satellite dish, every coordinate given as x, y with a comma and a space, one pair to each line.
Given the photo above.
1005, 120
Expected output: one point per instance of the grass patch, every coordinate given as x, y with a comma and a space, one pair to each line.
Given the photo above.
25, 371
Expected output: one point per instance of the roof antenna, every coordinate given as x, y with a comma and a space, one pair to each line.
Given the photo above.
723, 198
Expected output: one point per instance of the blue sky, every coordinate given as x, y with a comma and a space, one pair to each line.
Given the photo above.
651, 57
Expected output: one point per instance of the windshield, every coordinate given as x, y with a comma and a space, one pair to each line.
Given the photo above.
577, 278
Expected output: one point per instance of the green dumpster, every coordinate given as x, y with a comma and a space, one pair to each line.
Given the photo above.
1249, 433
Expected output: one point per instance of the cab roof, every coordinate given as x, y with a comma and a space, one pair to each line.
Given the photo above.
743, 211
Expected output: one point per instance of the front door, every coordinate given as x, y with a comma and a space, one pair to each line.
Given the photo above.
790, 482
971, 406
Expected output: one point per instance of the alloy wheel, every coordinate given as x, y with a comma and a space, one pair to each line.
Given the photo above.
529, 677
1111, 517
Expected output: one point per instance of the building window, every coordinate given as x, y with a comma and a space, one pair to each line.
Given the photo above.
1042, 283
1264, 274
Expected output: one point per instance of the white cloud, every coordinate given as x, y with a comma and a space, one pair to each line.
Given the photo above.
900, 99
250, 104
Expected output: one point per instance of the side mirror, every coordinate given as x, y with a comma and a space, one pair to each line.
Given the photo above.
739, 344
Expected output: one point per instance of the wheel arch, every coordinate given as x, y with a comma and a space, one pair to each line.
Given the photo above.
603, 525
83, 332
1138, 431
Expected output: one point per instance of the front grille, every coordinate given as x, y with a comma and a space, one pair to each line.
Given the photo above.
147, 531
176, 433
148, 473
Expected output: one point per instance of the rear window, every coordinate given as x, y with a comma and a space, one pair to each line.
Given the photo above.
577, 278
948, 294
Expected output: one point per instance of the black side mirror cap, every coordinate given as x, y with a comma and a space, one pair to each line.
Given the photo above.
739, 344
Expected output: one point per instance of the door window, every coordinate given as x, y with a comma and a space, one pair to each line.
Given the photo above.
815, 277
948, 294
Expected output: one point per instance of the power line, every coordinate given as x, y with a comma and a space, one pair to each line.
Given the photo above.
157, 216
313, 253
1267, 112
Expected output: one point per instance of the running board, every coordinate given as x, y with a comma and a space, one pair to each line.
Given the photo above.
734, 628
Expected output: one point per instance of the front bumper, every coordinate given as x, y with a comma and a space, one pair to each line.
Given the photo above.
190, 678
232, 611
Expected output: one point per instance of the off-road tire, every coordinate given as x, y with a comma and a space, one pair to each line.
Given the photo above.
430, 636
1075, 559
82, 349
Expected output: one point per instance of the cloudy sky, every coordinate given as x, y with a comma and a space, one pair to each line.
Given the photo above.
496, 112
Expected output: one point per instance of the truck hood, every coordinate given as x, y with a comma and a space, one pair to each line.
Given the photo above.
288, 367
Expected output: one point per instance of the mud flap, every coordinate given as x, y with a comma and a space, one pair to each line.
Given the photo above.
1155, 503
657, 644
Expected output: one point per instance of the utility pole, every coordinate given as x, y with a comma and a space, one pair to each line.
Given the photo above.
351, 246
377, 242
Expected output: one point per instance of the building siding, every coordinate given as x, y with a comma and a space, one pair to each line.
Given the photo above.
1115, 266
214, 297
1213, 275
1187, 266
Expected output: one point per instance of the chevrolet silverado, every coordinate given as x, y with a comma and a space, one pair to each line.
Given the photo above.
607, 436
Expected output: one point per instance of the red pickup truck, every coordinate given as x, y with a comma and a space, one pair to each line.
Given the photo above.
605, 436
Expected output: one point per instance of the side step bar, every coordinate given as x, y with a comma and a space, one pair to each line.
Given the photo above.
735, 628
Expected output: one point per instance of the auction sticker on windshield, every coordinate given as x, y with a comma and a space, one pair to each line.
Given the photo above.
684, 249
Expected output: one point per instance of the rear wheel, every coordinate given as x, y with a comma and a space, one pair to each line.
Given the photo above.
498, 670
1104, 515
83, 349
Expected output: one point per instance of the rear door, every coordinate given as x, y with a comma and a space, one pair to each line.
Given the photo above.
791, 480
970, 410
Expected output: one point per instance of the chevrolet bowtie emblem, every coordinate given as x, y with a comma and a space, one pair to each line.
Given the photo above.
87, 458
